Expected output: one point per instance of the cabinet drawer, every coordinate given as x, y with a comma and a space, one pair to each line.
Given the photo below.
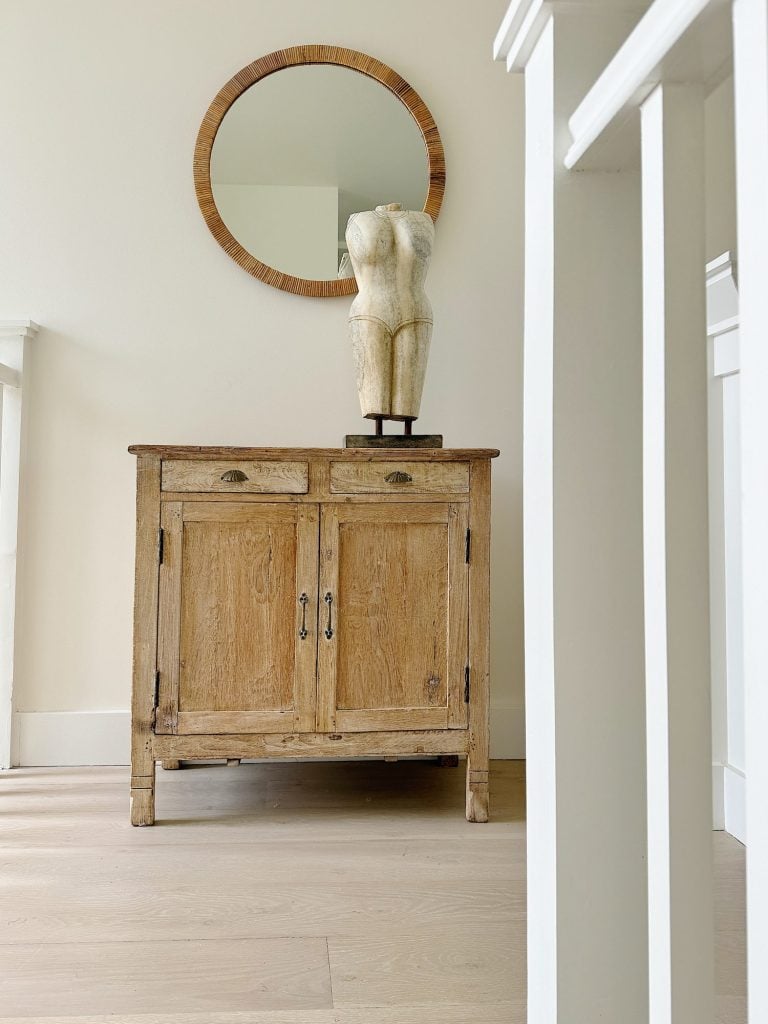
399, 477
255, 477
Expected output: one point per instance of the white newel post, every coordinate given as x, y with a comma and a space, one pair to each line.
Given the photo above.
14, 335
725, 546
750, 58
587, 912
676, 553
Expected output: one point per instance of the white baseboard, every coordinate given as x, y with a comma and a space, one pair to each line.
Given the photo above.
735, 791
49, 739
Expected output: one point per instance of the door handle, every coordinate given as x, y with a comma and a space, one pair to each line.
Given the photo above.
303, 602
328, 629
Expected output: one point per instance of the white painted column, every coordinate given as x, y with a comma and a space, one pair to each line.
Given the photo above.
676, 555
750, 21
587, 921
14, 335
726, 586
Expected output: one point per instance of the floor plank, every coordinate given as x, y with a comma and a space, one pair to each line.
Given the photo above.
487, 965
83, 913
439, 1013
134, 977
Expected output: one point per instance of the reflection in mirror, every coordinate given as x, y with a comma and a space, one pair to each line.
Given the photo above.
300, 151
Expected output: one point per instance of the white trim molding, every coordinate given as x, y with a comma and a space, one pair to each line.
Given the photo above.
14, 336
525, 20
641, 62
750, 64
55, 739
735, 802
723, 314
725, 545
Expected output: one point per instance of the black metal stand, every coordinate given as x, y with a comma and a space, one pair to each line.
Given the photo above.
405, 440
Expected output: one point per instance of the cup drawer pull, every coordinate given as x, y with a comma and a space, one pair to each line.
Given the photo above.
233, 476
398, 477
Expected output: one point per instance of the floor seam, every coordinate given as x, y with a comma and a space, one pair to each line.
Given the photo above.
330, 975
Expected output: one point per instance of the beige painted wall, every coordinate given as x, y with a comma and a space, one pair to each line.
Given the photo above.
152, 334
720, 171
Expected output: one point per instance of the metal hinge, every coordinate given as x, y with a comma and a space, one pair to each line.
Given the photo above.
466, 685
156, 698
467, 545
161, 545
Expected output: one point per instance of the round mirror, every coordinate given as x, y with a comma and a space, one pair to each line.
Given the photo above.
280, 168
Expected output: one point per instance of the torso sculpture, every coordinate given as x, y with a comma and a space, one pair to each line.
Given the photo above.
390, 320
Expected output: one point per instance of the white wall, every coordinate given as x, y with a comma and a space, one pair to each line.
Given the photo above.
293, 228
150, 333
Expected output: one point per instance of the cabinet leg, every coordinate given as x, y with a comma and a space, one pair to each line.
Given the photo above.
171, 766
477, 792
143, 797
448, 761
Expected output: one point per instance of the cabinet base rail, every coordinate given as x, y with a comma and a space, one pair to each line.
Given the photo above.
350, 744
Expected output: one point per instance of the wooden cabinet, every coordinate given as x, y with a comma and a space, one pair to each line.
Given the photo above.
310, 602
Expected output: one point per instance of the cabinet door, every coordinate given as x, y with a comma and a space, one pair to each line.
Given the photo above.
237, 639
393, 608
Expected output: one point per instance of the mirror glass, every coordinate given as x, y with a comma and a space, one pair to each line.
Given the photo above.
300, 151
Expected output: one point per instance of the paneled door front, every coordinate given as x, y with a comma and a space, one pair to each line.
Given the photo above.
393, 607
237, 640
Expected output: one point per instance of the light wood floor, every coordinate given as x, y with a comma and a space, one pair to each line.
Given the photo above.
278, 894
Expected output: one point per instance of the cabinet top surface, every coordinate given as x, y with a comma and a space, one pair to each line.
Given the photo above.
363, 454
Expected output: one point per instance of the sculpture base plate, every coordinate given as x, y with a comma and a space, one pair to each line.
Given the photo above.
393, 441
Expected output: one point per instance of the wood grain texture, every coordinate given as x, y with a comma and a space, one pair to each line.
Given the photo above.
458, 611
489, 962
305, 650
174, 451
261, 512
332, 744
445, 1013
246, 902
400, 719
169, 618
230, 656
261, 476
299, 842
371, 477
235, 974
206, 723
392, 613
249, 76
479, 639
312, 497
327, 648
145, 633
237, 635
274, 857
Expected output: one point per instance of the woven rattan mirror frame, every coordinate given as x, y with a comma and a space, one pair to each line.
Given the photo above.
250, 75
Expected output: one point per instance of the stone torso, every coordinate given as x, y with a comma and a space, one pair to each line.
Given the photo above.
390, 253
